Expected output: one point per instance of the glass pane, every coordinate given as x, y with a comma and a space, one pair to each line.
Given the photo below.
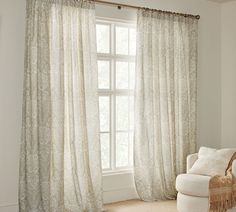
132, 42
122, 40
103, 74
104, 109
122, 149
122, 75
105, 150
103, 38
122, 113
131, 150
131, 76
131, 112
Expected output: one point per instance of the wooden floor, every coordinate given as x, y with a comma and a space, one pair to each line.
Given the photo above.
140, 206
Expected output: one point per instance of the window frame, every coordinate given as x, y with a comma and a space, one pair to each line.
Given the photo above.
112, 92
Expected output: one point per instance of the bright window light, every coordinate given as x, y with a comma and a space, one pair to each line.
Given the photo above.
116, 48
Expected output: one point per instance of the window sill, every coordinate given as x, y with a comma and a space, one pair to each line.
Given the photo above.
118, 172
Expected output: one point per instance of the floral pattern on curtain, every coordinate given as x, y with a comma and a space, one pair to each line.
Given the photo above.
165, 101
60, 165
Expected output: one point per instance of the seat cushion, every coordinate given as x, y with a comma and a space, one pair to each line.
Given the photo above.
194, 185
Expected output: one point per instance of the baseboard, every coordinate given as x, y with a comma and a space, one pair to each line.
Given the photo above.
119, 195
9, 208
108, 197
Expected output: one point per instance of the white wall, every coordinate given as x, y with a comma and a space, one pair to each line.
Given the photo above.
228, 74
12, 26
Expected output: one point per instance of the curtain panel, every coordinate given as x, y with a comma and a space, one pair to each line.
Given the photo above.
60, 167
165, 101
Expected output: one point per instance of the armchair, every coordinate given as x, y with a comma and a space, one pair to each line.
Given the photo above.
193, 189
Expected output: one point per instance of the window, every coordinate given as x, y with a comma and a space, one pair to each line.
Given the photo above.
116, 48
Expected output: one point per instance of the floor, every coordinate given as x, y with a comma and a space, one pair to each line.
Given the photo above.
140, 206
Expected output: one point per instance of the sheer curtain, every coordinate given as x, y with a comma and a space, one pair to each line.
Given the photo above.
60, 166
165, 101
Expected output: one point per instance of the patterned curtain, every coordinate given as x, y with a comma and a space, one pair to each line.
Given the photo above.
60, 168
165, 101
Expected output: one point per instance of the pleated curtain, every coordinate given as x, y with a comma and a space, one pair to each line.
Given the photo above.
60, 167
165, 101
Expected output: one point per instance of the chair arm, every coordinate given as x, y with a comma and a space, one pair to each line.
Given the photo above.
234, 168
191, 160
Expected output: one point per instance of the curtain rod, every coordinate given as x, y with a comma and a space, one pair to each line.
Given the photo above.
120, 5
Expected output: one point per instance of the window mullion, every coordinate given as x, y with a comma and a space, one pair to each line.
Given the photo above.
113, 80
114, 132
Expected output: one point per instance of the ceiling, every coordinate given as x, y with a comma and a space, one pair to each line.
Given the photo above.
221, 1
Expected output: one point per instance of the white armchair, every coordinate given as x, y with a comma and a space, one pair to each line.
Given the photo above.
193, 189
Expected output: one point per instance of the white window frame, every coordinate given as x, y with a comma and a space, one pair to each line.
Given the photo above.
112, 92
